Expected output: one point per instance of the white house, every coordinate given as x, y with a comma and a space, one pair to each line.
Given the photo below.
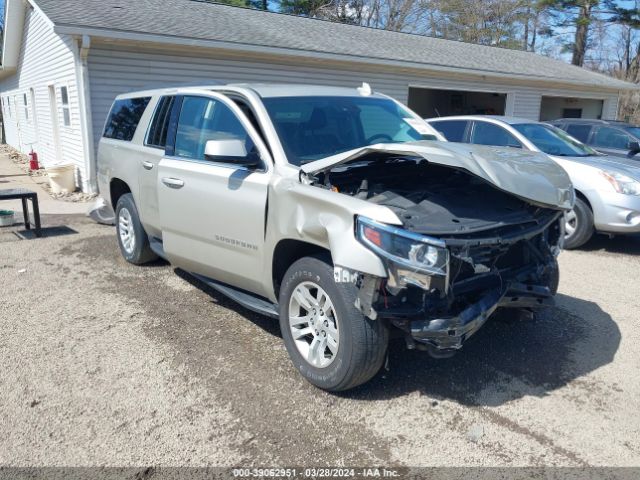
65, 60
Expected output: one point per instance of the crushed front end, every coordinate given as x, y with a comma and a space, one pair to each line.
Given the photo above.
440, 291
465, 250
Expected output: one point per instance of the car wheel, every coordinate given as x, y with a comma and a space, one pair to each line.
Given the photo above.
331, 343
132, 239
578, 225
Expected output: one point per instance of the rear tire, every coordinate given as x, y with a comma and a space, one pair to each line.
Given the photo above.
354, 346
132, 239
579, 226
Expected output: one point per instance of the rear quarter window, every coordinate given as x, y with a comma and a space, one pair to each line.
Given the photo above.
124, 118
157, 136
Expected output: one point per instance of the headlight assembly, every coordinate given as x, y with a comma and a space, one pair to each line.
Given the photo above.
622, 183
409, 252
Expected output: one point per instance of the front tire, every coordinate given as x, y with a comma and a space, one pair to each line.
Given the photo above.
132, 239
578, 226
331, 343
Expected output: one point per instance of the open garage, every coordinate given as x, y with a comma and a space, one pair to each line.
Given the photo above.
430, 102
552, 108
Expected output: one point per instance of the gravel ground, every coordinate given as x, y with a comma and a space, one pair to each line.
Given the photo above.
104, 363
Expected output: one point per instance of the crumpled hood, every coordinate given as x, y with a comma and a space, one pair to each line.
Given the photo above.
627, 166
531, 176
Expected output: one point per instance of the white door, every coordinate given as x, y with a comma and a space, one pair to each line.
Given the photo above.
55, 128
212, 211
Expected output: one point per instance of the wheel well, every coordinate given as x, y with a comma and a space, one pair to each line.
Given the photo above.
286, 253
582, 197
117, 188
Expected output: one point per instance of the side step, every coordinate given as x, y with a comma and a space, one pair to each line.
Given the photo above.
247, 300
156, 246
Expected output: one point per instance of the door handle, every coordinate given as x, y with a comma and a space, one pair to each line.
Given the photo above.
147, 165
173, 182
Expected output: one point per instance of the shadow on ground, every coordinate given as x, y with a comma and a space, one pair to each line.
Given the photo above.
502, 362
506, 361
269, 325
627, 244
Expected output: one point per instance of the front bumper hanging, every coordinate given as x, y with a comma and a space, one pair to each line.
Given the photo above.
451, 332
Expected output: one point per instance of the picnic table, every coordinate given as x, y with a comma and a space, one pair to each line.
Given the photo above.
24, 195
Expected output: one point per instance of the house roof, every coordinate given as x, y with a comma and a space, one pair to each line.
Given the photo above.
179, 20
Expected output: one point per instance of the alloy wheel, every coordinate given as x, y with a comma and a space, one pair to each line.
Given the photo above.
313, 324
126, 231
570, 223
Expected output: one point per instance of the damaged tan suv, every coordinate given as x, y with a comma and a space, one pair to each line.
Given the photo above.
334, 210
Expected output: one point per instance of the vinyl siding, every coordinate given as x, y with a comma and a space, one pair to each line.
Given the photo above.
45, 59
610, 108
118, 69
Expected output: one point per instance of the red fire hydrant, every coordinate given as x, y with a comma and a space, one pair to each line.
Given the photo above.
33, 161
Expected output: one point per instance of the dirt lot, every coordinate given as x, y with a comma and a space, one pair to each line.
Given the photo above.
104, 363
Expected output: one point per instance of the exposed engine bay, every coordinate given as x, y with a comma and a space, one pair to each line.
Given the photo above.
500, 249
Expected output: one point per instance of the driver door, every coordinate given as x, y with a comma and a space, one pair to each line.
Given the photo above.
212, 213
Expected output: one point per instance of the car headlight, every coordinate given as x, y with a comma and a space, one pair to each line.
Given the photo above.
621, 183
413, 252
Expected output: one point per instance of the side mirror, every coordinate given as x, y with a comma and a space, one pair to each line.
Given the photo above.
634, 148
231, 151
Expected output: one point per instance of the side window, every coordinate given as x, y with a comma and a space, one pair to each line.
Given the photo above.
157, 136
485, 133
66, 112
611, 138
579, 132
453, 130
26, 106
203, 119
124, 118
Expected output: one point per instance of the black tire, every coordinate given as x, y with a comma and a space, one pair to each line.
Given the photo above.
139, 251
583, 226
362, 342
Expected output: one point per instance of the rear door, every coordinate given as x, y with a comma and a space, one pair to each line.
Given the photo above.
155, 141
212, 213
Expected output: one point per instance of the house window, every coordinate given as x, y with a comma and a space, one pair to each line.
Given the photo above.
66, 112
26, 107
571, 113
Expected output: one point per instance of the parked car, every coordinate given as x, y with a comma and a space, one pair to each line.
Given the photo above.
284, 199
607, 188
607, 136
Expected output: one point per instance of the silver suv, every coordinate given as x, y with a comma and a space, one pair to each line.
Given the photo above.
332, 210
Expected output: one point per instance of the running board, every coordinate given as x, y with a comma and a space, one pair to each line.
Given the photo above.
156, 246
247, 300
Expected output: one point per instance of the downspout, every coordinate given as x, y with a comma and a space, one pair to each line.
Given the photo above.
89, 184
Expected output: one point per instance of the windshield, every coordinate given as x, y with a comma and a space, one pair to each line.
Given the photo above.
316, 127
553, 141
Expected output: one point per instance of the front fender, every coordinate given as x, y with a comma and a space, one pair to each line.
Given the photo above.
324, 218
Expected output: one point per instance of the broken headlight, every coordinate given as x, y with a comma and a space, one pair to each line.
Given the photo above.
407, 252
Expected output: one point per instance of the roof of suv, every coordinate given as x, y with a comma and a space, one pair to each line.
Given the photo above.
265, 90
